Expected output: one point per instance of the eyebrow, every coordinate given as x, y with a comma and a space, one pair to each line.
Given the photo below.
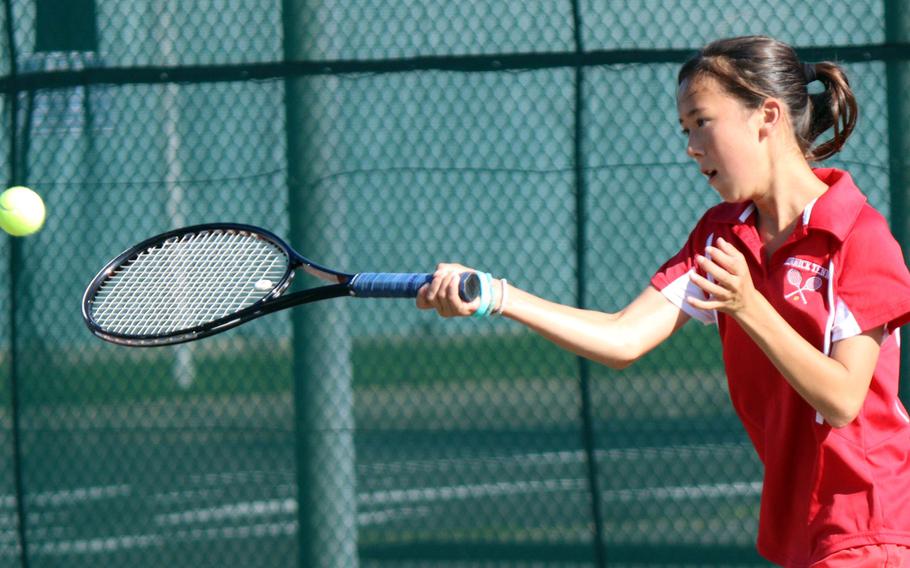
691, 112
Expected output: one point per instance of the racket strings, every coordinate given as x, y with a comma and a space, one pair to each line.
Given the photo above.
183, 290
249, 264
143, 286
188, 281
205, 298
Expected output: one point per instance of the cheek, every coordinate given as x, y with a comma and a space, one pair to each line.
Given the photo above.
741, 136
739, 149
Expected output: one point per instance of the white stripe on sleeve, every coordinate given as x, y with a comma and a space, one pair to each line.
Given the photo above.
677, 291
845, 324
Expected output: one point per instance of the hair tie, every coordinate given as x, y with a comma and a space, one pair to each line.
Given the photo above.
809, 72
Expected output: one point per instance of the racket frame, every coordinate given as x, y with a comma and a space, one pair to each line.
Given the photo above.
279, 301
275, 300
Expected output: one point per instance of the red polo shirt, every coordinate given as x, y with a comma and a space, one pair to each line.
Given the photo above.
840, 273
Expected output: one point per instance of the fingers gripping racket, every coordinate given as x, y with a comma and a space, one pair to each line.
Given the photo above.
197, 281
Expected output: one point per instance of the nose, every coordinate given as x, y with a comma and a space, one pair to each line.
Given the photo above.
692, 151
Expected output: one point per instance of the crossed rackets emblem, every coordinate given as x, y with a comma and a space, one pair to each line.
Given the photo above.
795, 278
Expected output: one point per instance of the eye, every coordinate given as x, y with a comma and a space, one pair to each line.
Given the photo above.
699, 123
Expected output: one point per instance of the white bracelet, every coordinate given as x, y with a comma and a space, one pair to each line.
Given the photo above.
504, 285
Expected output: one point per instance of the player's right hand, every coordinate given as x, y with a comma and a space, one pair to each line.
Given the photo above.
441, 294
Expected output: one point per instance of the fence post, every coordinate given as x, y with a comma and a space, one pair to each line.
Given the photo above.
323, 393
897, 73
581, 239
16, 175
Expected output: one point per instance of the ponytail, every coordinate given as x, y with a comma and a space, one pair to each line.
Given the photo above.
835, 107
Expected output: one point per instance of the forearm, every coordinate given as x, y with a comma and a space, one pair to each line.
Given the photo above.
616, 340
825, 383
589, 334
613, 339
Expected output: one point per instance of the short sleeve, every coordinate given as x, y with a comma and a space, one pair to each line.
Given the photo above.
672, 278
872, 280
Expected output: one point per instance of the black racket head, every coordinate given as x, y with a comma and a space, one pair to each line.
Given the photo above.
187, 284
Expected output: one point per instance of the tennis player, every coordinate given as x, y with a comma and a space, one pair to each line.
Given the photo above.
807, 288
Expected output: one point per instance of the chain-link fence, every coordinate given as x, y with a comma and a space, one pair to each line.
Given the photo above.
536, 140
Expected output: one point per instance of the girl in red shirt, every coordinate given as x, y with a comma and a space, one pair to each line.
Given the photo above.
808, 290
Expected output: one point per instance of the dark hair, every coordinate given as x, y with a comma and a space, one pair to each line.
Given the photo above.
754, 68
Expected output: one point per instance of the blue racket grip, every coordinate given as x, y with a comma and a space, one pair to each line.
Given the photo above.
406, 285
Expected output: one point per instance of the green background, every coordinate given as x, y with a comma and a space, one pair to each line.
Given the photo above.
536, 140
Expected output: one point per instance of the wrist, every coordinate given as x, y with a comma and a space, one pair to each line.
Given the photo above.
752, 310
493, 296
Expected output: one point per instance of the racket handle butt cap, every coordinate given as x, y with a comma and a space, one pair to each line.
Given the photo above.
469, 287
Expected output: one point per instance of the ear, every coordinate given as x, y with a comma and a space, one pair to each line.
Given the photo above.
769, 116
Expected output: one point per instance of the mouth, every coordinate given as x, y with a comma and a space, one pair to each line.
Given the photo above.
710, 174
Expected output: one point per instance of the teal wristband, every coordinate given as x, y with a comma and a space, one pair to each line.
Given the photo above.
486, 295
489, 280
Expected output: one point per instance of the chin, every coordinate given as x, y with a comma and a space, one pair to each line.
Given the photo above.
731, 195
726, 196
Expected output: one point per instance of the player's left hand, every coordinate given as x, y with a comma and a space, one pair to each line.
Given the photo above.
732, 290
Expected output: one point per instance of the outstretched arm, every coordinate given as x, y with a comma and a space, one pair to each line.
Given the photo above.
614, 339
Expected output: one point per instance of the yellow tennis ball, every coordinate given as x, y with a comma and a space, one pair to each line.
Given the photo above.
21, 211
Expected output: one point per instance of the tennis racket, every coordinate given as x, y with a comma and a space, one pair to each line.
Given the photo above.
197, 281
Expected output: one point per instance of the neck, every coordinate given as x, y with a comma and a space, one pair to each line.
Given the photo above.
792, 187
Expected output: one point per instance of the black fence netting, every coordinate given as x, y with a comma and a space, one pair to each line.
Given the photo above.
535, 140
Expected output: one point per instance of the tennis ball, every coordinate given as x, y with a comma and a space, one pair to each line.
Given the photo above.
21, 211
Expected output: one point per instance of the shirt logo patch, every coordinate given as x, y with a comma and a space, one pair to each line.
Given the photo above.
802, 284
